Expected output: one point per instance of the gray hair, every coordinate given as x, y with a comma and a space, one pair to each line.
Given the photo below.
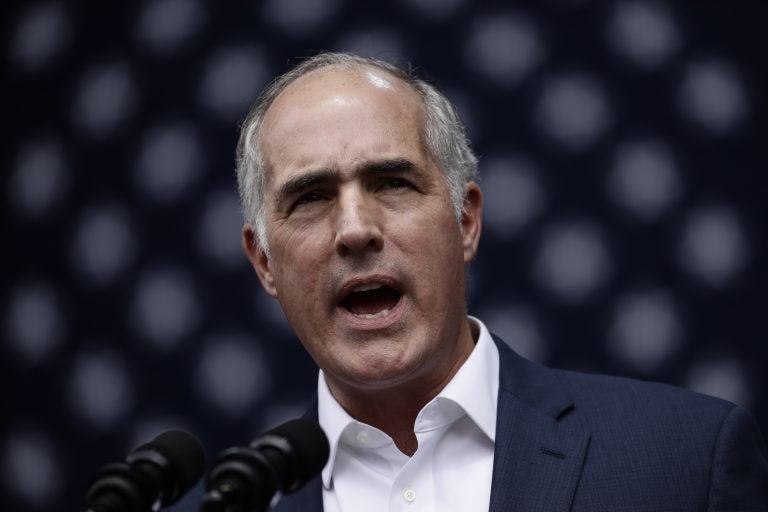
444, 134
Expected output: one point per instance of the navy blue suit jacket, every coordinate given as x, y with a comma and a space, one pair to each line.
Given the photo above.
575, 442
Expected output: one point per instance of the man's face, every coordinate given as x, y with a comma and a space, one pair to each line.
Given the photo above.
367, 259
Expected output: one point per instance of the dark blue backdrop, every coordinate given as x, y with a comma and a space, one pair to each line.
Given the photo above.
622, 154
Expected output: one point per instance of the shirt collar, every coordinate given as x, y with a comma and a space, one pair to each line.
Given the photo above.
474, 388
334, 419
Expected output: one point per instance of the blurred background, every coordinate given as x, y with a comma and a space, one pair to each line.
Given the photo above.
620, 155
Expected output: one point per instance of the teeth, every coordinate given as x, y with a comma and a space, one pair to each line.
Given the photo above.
366, 287
380, 314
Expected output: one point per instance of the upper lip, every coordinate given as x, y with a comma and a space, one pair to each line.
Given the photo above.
356, 282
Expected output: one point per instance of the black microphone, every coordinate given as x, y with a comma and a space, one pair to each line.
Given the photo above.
281, 460
154, 474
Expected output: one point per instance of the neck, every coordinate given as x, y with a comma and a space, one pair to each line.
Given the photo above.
393, 410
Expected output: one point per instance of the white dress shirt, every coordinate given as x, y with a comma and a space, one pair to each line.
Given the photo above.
452, 466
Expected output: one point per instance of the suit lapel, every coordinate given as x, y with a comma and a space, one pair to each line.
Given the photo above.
540, 445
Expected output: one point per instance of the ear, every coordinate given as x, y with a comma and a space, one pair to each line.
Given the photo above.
258, 259
471, 220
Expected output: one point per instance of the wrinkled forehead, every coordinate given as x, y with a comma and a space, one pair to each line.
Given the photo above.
327, 83
330, 88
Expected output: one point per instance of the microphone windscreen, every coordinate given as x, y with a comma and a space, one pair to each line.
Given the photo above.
184, 458
310, 446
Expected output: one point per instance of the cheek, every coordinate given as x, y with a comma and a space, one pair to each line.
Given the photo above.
300, 295
300, 246
440, 237
433, 248
302, 258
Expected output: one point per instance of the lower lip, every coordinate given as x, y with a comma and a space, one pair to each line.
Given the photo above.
372, 324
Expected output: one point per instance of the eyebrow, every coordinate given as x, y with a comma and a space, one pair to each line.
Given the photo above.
296, 185
395, 165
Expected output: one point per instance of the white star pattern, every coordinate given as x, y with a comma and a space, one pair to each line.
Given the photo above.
621, 158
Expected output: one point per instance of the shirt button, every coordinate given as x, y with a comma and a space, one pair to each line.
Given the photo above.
409, 495
362, 438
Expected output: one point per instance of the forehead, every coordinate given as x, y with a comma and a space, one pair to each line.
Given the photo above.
338, 113
336, 81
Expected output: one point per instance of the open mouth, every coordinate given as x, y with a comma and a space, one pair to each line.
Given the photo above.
371, 301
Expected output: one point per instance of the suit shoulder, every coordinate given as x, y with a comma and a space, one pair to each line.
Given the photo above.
603, 396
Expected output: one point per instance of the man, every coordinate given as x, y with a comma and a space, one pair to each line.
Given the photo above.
362, 215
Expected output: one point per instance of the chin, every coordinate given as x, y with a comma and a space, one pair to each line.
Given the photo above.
380, 373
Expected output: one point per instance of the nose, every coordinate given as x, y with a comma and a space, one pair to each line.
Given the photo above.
358, 225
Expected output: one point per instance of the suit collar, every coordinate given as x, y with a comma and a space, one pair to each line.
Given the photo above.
540, 444
532, 384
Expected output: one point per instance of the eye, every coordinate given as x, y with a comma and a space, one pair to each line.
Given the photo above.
397, 183
309, 197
